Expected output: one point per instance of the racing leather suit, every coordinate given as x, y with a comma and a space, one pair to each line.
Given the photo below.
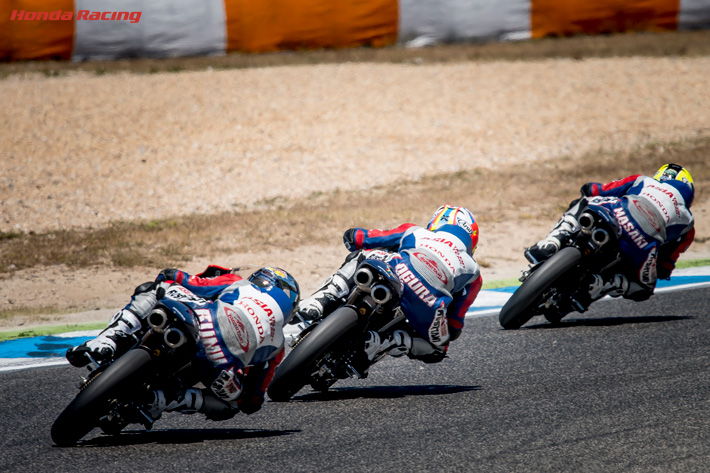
241, 327
656, 225
439, 275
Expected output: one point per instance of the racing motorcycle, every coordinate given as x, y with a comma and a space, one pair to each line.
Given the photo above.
555, 287
332, 347
117, 392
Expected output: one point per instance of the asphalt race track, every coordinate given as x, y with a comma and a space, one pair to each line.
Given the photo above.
623, 388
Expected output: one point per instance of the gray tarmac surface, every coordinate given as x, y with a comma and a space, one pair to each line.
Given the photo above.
624, 387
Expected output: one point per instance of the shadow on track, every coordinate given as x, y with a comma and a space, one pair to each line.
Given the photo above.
608, 321
383, 392
179, 436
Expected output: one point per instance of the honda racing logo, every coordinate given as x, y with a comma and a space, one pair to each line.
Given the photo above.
432, 266
240, 331
59, 15
649, 215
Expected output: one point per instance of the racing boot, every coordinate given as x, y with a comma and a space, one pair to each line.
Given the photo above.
117, 337
615, 286
566, 227
324, 300
186, 401
191, 401
396, 344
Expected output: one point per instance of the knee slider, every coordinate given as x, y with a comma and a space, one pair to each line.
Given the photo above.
216, 409
637, 292
425, 351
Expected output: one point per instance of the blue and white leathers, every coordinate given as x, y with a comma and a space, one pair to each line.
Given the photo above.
440, 277
435, 266
650, 213
243, 327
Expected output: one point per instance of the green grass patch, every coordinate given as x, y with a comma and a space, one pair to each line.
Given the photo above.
501, 283
41, 331
692, 263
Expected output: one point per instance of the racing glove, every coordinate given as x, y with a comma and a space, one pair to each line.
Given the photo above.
228, 385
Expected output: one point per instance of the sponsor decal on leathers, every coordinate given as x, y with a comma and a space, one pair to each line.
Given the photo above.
651, 216
451, 245
213, 350
439, 328
269, 315
627, 225
648, 274
407, 277
432, 265
181, 293
254, 317
238, 327
666, 194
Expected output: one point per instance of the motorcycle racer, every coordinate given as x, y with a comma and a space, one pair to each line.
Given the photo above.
656, 225
240, 325
440, 277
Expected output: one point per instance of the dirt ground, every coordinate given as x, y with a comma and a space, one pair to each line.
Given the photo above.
80, 151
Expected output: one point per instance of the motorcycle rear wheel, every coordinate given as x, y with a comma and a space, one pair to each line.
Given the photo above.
294, 372
84, 412
522, 304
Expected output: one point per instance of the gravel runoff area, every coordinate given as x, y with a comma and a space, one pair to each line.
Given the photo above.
82, 150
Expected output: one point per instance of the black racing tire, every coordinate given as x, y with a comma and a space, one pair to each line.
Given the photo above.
520, 307
294, 372
84, 412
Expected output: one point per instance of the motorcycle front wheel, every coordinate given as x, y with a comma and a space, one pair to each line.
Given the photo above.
84, 412
522, 304
294, 372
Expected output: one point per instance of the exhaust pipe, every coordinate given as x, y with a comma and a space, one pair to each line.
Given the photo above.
174, 337
600, 236
363, 278
158, 319
586, 222
381, 294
